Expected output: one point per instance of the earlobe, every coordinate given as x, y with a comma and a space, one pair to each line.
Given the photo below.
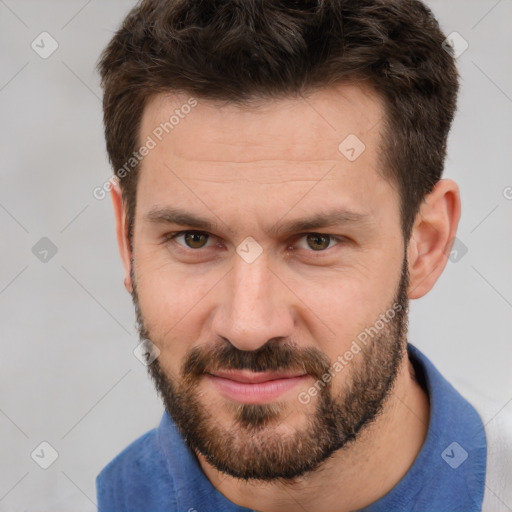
432, 236
122, 234
128, 284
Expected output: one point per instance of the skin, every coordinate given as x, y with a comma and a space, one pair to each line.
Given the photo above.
249, 169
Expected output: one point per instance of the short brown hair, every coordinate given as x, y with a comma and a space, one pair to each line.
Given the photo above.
241, 50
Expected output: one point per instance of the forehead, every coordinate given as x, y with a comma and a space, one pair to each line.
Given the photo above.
271, 157
309, 128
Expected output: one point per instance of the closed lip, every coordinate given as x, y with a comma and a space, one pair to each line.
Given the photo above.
250, 377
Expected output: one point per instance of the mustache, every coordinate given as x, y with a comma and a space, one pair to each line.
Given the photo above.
269, 357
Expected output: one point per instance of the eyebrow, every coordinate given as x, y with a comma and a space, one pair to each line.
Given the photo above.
333, 218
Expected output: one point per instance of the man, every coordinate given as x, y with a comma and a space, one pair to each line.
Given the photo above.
278, 200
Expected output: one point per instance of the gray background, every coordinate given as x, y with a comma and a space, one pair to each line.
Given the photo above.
67, 372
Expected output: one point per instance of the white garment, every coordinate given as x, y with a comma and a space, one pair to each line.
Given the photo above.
497, 418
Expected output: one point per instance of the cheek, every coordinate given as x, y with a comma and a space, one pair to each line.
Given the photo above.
172, 307
167, 287
349, 304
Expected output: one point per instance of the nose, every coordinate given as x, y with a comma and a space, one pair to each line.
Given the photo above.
255, 306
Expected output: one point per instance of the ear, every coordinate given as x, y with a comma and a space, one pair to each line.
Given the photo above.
432, 237
122, 234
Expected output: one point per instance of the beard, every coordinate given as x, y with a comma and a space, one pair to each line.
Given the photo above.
254, 446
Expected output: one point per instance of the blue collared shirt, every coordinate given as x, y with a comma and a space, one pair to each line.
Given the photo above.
158, 473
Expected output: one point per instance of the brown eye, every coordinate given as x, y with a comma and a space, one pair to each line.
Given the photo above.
192, 239
318, 242
195, 240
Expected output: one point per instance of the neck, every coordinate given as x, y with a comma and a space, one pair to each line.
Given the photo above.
355, 476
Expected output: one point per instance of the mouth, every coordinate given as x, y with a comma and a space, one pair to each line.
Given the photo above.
245, 386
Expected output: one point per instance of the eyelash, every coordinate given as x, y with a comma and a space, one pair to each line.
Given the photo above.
172, 237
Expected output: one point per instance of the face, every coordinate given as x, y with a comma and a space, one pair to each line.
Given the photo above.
269, 270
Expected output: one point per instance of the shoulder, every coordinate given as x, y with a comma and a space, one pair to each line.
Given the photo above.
135, 479
497, 415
